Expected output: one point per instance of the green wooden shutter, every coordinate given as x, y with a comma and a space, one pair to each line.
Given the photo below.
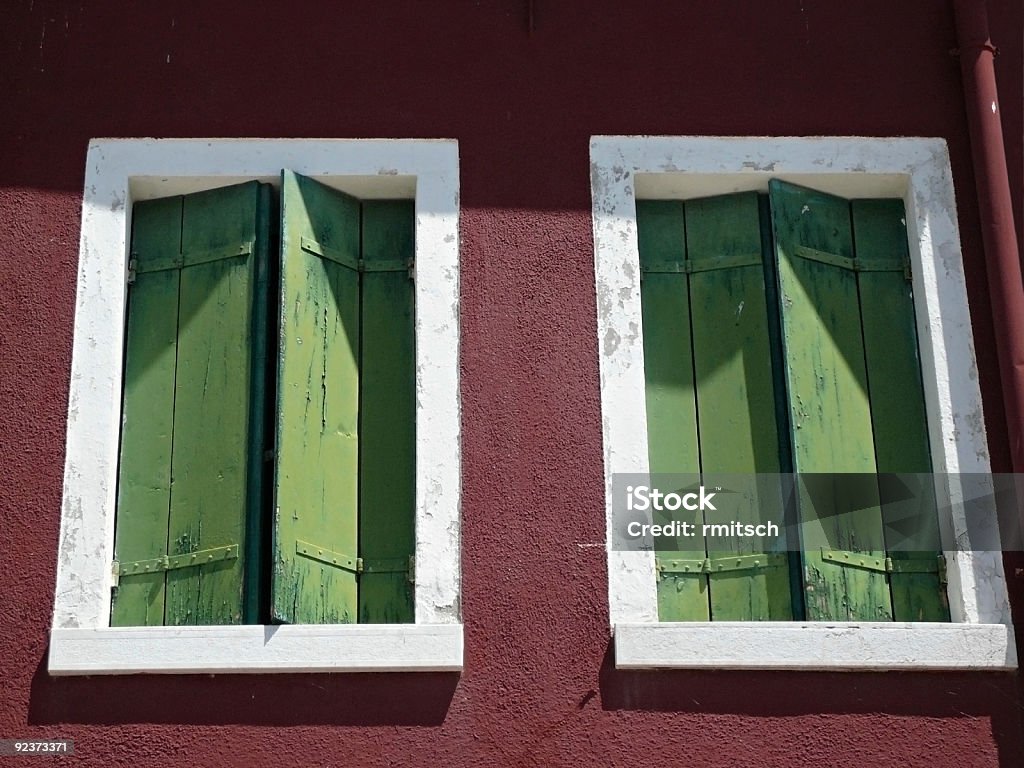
147, 431
897, 406
736, 401
388, 415
315, 541
670, 395
830, 413
191, 435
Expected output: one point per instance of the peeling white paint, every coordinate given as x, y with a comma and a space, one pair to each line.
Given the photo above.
122, 171
916, 169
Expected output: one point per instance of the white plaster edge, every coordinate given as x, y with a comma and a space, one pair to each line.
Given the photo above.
438, 413
918, 169
257, 649
119, 171
808, 646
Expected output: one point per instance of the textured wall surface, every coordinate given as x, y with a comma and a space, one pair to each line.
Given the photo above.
539, 686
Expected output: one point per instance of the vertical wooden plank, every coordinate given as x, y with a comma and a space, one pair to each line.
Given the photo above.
270, 410
735, 396
897, 402
387, 414
317, 453
829, 407
787, 480
256, 597
144, 480
212, 395
669, 390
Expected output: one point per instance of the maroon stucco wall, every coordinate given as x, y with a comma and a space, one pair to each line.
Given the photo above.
539, 686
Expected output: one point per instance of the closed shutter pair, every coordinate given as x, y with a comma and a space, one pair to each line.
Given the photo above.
779, 337
268, 423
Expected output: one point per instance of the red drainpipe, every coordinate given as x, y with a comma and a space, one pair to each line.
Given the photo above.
1006, 290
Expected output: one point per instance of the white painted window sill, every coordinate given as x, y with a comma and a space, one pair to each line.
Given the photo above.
257, 649
815, 646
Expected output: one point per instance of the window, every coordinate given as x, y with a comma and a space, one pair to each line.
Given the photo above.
641, 188
765, 361
360, 218
195, 532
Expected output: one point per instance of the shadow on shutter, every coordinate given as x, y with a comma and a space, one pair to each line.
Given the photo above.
897, 407
671, 401
736, 402
388, 415
147, 414
186, 475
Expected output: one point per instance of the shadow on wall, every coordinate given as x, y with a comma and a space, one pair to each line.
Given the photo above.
952, 695
371, 699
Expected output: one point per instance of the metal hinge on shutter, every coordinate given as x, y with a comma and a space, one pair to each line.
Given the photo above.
851, 264
667, 566
173, 562
189, 259
867, 562
358, 565
356, 264
705, 264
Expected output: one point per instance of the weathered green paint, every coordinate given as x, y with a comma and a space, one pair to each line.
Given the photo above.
184, 485
897, 404
830, 413
735, 399
669, 389
144, 483
723, 564
388, 412
785, 453
317, 446
210, 464
169, 563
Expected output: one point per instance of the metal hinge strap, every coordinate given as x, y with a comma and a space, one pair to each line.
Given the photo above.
721, 564
886, 564
349, 261
824, 257
336, 255
356, 565
705, 264
188, 259
664, 267
855, 559
385, 265
897, 264
383, 564
327, 557
734, 261
172, 562
935, 565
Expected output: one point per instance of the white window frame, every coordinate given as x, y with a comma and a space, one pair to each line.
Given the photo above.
624, 168
120, 172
